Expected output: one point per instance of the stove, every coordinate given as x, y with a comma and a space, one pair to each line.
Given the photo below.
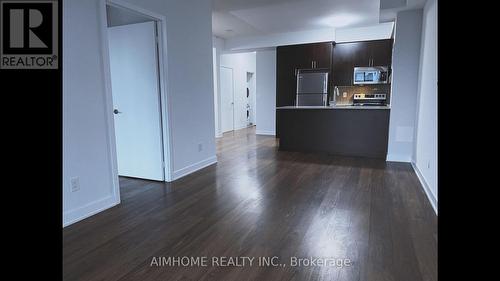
370, 100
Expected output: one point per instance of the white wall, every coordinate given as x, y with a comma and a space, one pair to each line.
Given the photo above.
190, 80
86, 150
190, 89
241, 63
266, 92
278, 39
405, 67
364, 33
426, 134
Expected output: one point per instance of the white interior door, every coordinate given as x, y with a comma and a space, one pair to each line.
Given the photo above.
227, 99
136, 100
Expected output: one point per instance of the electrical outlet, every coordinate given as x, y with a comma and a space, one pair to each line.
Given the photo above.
200, 147
344, 94
75, 184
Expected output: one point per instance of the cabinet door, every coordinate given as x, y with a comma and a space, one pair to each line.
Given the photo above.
322, 54
361, 54
381, 52
288, 60
284, 74
344, 59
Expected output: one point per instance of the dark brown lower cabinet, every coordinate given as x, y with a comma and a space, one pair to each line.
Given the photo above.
347, 132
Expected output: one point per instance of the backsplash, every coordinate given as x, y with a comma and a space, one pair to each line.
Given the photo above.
366, 89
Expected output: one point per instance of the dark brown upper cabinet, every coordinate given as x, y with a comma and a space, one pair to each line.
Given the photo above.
321, 55
346, 56
381, 52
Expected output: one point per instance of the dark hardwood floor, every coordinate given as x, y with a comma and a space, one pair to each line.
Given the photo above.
258, 201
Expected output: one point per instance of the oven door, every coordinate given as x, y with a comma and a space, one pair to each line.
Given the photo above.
372, 77
359, 77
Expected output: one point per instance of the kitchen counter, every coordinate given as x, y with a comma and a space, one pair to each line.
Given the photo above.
335, 107
361, 131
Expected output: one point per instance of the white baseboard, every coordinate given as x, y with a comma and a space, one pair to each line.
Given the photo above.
266, 133
90, 209
240, 127
194, 167
425, 186
398, 158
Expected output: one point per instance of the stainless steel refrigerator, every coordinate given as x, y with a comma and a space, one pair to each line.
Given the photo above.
312, 87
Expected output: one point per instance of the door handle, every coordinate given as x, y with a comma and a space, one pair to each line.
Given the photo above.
116, 111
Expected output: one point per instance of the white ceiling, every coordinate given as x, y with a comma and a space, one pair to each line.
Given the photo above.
233, 18
390, 8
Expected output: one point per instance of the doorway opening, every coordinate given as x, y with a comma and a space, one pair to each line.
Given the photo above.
236, 101
135, 41
250, 99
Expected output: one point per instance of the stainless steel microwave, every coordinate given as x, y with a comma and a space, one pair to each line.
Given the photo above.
371, 75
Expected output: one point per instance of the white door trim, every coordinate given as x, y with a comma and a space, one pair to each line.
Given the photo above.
161, 24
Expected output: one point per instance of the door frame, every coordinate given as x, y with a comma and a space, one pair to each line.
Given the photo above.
252, 85
220, 107
161, 25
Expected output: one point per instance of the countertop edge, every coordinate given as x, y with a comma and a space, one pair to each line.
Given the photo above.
348, 107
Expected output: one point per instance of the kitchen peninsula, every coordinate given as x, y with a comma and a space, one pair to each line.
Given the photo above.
340, 130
